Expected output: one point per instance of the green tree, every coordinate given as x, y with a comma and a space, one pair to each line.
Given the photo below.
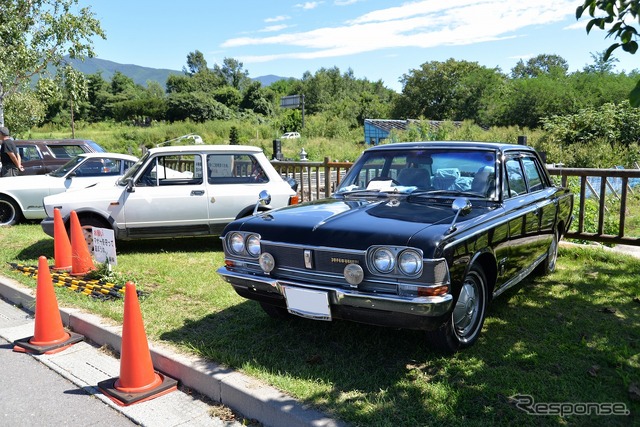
617, 19
600, 64
75, 87
527, 101
196, 106
50, 95
451, 90
195, 63
540, 65
232, 72
97, 95
24, 110
258, 99
38, 33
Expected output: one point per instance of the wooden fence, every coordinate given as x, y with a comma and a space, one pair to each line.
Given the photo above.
611, 188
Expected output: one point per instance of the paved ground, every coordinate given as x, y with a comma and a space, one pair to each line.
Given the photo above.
85, 365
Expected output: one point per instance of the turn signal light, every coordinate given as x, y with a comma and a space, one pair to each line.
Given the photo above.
432, 291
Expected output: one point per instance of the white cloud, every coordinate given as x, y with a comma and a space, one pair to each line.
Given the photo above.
277, 18
274, 28
418, 24
309, 5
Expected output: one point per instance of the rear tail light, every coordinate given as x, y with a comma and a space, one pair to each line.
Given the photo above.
294, 200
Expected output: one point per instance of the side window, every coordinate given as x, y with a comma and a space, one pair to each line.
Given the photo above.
93, 167
234, 169
515, 178
182, 169
29, 152
533, 174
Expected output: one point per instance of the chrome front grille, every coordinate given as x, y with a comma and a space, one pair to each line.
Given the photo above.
327, 267
327, 260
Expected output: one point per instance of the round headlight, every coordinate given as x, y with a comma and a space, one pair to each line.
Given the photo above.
236, 243
267, 262
253, 245
383, 260
410, 262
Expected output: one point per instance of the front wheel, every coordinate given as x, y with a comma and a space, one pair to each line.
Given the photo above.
86, 225
463, 327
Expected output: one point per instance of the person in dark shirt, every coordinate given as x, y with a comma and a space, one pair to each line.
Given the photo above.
9, 155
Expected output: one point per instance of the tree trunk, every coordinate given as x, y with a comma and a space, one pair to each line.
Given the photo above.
73, 125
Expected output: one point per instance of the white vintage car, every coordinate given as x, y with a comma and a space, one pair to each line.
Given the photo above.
21, 196
178, 191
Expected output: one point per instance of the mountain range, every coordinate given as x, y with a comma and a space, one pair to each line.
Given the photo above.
141, 75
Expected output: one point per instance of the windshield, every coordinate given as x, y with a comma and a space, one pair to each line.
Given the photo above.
133, 170
469, 172
64, 169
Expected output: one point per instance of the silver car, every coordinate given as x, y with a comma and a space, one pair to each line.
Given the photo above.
21, 196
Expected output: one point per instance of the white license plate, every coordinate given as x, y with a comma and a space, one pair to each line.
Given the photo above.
308, 303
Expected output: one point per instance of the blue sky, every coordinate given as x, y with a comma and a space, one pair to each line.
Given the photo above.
377, 39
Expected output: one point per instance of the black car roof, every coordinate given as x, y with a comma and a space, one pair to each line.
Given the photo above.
501, 146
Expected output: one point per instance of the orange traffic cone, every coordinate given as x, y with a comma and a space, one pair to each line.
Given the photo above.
81, 262
138, 381
61, 243
49, 337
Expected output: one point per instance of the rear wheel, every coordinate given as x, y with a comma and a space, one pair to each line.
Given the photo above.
465, 323
10, 212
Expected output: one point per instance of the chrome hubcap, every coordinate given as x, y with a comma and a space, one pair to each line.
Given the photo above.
466, 309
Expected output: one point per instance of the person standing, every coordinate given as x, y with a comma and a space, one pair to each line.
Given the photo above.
9, 155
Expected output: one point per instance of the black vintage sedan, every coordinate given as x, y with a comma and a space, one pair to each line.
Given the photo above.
417, 236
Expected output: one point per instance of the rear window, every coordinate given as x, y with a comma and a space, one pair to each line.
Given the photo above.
65, 151
95, 147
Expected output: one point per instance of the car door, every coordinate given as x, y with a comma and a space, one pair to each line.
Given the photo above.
168, 198
545, 194
234, 181
525, 241
32, 159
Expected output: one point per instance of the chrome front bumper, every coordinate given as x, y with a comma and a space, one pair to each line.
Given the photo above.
339, 298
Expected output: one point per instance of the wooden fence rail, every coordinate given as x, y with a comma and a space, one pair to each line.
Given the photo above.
317, 180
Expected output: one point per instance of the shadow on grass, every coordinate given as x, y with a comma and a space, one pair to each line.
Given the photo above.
191, 244
557, 339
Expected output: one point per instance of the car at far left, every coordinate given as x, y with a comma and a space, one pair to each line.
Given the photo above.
41, 156
21, 197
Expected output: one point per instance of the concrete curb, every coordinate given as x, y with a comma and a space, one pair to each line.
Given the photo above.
249, 396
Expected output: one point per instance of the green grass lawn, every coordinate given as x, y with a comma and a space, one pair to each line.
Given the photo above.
571, 337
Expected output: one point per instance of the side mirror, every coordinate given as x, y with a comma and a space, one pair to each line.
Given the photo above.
130, 187
264, 198
462, 206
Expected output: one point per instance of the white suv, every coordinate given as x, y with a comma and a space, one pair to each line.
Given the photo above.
178, 191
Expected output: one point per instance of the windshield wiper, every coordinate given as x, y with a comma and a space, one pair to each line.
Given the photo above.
365, 193
429, 193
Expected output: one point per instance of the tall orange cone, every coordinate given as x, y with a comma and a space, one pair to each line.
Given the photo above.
61, 243
49, 336
138, 381
81, 262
